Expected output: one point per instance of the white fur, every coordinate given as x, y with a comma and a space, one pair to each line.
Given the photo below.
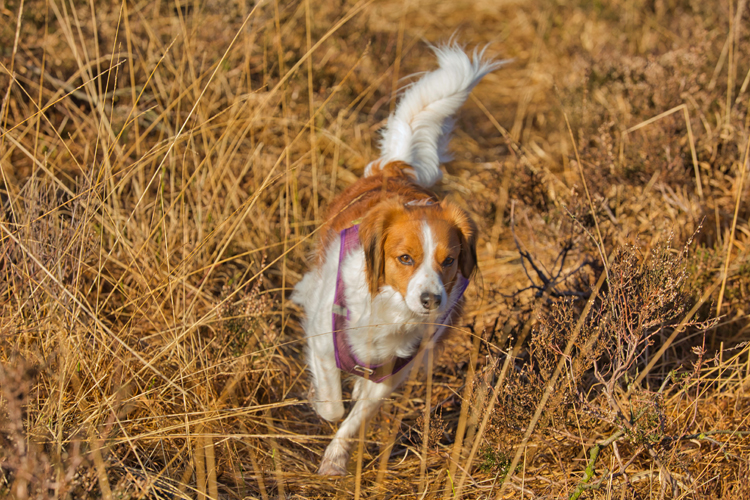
387, 325
315, 293
419, 130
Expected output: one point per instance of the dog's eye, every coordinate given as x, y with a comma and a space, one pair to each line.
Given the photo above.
447, 262
406, 260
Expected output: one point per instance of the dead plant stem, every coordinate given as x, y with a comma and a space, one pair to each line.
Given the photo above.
730, 243
550, 387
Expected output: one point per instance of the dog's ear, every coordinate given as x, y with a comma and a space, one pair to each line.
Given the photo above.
467, 235
372, 234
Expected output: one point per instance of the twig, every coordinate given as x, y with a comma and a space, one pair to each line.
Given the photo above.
590, 468
705, 435
550, 282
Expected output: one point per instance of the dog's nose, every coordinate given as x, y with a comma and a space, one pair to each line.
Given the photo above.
431, 300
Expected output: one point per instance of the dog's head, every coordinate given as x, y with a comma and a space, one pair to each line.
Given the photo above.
418, 249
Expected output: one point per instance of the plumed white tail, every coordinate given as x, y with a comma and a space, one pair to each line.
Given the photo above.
419, 130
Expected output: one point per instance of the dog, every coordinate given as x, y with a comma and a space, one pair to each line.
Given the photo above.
393, 260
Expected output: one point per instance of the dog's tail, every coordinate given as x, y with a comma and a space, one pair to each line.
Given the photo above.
419, 130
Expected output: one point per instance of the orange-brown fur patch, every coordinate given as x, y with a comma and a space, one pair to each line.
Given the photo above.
359, 198
404, 238
448, 239
391, 227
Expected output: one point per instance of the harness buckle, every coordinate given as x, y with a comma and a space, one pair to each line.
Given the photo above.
368, 371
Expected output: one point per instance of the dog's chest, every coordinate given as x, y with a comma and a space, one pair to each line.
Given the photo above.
382, 328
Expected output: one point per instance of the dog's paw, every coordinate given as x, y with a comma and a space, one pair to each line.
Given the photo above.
330, 468
329, 410
333, 411
334, 461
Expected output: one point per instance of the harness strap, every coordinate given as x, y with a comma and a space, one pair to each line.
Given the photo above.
346, 360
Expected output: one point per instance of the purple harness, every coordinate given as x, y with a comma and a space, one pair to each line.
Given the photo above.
346, 360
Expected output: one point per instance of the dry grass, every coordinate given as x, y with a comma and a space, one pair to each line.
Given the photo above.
164, 166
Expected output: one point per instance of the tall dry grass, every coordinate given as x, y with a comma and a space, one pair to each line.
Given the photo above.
164, 167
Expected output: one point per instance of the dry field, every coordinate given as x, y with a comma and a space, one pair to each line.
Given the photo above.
164, 167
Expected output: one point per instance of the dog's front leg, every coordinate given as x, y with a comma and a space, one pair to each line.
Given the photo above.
326, 396
370, 397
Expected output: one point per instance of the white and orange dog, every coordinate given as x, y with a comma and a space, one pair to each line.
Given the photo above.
393, 262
